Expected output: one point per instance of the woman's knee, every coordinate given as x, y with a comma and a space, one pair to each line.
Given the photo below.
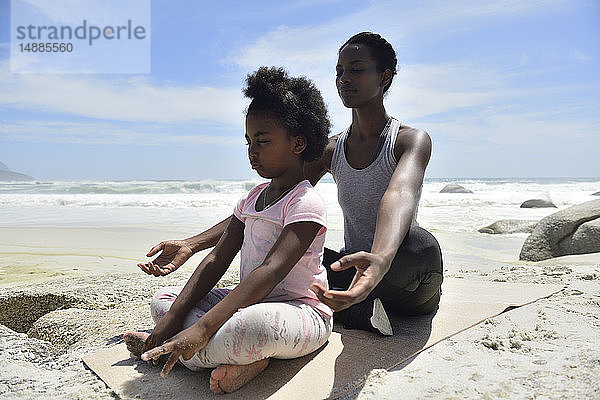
421, 238
339, 280
420, 248
423, 300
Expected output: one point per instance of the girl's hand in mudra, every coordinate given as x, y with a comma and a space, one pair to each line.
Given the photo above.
174, 253
186, 343
370, 269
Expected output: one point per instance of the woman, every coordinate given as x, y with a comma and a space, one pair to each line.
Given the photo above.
378, 165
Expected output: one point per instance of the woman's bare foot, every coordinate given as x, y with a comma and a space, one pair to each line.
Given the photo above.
135, 342
229, 378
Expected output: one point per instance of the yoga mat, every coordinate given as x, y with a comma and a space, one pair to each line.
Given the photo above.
341, 365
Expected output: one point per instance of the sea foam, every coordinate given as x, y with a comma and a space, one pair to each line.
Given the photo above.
202, 203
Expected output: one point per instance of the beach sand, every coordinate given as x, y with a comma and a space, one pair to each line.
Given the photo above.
31, 254
548, 349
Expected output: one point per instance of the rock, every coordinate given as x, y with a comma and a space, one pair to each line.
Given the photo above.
586, 239
538, 203
76, 328
575, 230
14, 176
34, 369
21, 306
19, 309
10, 340
505, 226
453, 188
596, 194
71, 317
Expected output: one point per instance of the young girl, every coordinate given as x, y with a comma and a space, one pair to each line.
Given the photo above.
280, 228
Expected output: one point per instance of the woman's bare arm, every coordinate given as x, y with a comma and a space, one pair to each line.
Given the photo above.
398, 204
314, 170
174, 253
394, 218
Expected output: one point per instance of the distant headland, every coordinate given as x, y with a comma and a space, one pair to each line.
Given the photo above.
8, 175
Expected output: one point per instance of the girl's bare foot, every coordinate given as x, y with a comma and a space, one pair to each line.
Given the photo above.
135, 342
229, 378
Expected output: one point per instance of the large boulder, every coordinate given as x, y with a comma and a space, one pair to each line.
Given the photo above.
12, 345
46, 310
538, 203
505, 226
46, 327
21, 306
454, 188
586, 239
35, 369
575, 230
76, 328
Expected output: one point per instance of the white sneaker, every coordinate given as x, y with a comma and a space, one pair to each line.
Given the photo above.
380, 320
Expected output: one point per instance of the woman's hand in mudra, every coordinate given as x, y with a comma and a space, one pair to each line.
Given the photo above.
370, 269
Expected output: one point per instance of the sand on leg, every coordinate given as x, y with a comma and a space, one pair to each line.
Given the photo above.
229, 378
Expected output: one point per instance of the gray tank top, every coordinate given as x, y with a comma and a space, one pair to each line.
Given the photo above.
361, 190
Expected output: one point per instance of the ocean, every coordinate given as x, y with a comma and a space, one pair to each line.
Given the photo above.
197, 204
51, 229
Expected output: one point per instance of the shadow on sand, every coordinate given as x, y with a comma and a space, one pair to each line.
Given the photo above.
364, 351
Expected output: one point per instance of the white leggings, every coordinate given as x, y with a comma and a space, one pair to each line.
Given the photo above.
271, 329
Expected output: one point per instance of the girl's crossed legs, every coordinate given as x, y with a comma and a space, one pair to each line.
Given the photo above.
264, 330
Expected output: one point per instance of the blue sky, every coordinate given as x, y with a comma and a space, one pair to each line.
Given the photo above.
504, 88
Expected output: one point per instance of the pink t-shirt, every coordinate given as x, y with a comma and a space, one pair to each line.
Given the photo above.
262, 229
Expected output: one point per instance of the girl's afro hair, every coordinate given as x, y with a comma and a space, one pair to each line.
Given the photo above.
295, 102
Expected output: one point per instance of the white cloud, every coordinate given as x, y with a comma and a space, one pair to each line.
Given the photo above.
523, 129
418, 90
422, 90
108, 133
315, 46
581, 57
65, 11
74, 11
132, 99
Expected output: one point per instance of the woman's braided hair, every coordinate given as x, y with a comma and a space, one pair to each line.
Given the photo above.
295, 102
